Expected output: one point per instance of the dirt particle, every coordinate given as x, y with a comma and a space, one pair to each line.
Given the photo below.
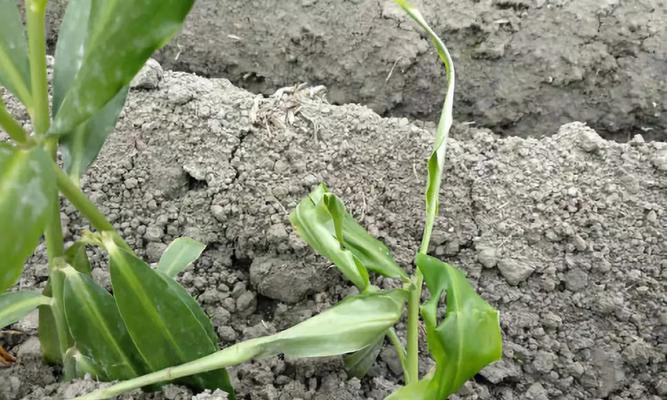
487, 257
660, 159
515, 271
149, 76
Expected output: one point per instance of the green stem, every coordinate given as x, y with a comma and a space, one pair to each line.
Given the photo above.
412, 361
233, 355
35, 21
12, 127
400, 350
87, 208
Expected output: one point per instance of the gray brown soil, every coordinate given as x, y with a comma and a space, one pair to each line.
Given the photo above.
565, 235
525, 67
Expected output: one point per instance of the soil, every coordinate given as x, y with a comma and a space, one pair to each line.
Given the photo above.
565, 235
525, 67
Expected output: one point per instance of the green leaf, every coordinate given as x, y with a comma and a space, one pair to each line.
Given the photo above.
352, 325
165, 322
436, 162
15, 306
357, 364
180, 254
322, 221
82, 144
468, 339
123, 37
98, 329
76, 256
27, 193
14, 67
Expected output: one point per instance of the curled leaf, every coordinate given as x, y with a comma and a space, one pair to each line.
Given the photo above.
322, 221
467, 340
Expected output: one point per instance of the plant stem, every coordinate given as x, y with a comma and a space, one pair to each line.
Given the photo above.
55, 247
400, 350
233, 355
12, 127
35, 20
412, 361
79, 200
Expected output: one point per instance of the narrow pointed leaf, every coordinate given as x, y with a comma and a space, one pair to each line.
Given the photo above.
27, 191
98, 329
164, 321
436, 162
76, 256
180, 254
359, 363
469, 337
124, 36
14, 306
82, 144
73, 36
14, 68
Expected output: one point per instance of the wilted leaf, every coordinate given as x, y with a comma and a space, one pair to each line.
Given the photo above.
180, 254
14, 68
14, 306
436, 162
165, 322
467, 340
27, 193
352, 325
322, 221
124, 35
98, 329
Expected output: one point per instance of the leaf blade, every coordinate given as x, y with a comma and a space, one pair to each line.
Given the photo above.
436, 162
14, 68
179, 255
358, 364
27, 191
81, 145
165, 323
469, 337
322, 221
14, 306
76, 256
124, 37
97, 328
